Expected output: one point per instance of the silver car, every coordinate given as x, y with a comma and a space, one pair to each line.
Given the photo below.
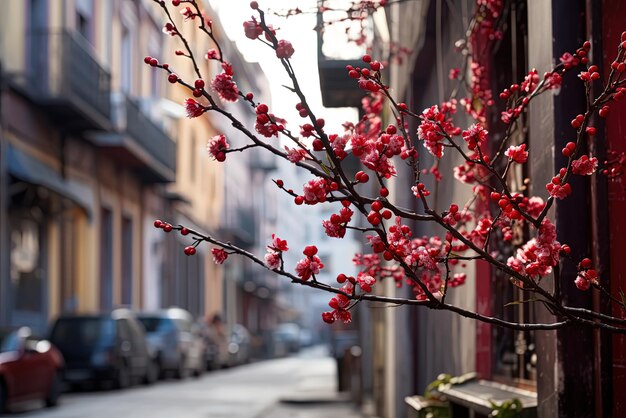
175, 342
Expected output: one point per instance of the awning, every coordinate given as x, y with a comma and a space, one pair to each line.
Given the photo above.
31, 170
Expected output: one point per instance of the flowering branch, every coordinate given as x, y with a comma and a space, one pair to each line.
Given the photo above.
430, 265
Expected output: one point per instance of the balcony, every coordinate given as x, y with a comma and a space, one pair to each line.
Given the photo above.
240, 227
64, 76
138, 143
338, 90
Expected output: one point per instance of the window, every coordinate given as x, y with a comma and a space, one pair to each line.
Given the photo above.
192, 158
84, 19
106, 259
127, 261
126, 73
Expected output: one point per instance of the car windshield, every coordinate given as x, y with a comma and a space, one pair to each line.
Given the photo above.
155, 324
83, 332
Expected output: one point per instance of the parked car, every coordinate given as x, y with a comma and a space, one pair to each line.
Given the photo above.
215, 341
239, 346
106, 347
29, 368
177, 342
286, 339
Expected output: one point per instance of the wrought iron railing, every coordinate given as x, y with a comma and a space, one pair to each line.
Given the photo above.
151, 137
62, 70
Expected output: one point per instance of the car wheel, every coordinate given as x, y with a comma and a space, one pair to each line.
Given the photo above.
3, 397
152, 372
181, 370
55, 391
198, 371
123, 377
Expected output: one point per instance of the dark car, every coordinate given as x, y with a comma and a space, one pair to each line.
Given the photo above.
29, 368
106, 347
176, 341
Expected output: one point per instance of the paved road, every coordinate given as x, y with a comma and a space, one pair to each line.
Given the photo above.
250, 391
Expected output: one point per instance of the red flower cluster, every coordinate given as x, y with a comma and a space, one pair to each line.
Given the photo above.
219, 255
216, 147
193, 108
284, 50
224, 85
517, 154
310, 265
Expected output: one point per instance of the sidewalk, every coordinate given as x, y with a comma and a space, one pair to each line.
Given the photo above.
315, 395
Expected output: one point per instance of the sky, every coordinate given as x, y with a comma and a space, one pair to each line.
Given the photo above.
299, 31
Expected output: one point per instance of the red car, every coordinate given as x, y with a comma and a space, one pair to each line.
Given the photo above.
29, 368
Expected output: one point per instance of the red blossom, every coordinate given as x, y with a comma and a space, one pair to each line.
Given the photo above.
284, 50
224, 85
308, 267
193, 108
279, 244
219, 255
475, 136
585, 166
216, 147
272, 260
188, 13
252, 29
517, 154
170, 29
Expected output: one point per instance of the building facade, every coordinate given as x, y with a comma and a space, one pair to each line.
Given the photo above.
574, 371
94, 148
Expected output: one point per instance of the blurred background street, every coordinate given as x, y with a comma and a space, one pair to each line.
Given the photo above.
306, 382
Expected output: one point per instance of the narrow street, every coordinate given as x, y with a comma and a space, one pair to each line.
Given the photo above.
306, 382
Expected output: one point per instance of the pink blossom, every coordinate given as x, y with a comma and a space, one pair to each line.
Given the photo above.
457, 280
568, 60
343, 315
219, 255
379, 163
534, 206
339, 301
558, 191
224, 85
585, 166
360, 145
188, 13
279, 244
475, 136
366, 282
216, 147
336, 226
517, 154
252, 29
193, 108
169, 29
435, 127
296, 154
212, 54
553, 80
582, 283
308, 267
284, 49
272, 260
334, 230
539, 255
530, 81
315, 191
